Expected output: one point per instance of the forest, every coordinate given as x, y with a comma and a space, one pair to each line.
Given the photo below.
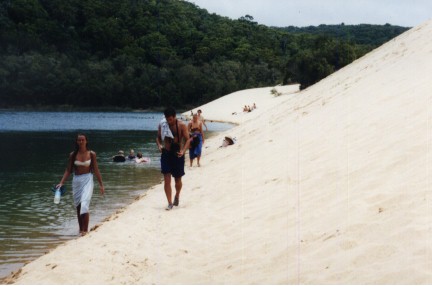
363, 34
146, 54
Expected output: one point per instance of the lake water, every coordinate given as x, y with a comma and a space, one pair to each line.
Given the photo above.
34, 150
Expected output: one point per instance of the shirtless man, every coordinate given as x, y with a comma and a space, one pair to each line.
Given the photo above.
201, 118
172, 157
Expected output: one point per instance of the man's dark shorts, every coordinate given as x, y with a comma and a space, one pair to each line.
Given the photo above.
171, 164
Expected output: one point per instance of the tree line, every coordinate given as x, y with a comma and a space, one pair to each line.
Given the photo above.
362, 34
153, 53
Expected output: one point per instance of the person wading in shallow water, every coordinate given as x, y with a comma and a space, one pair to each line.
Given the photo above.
172, 141
82, 163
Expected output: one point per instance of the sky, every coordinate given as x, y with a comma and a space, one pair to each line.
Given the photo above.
282, 13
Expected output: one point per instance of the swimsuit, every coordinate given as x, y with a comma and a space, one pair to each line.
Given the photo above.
84, 164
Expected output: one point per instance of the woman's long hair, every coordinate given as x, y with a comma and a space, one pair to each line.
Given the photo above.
75, 152
76, 144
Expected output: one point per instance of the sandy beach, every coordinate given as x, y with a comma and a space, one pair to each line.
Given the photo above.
330, 185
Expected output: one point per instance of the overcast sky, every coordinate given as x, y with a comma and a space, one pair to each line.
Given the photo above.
301, 13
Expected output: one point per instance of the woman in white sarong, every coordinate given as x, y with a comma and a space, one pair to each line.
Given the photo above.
82, 163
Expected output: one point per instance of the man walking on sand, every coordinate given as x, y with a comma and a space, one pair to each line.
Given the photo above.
201, 118
172, 134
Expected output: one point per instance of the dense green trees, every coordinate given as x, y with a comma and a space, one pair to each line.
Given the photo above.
363, 34
151, 53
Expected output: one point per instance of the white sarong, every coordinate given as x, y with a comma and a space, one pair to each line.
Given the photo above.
82, 187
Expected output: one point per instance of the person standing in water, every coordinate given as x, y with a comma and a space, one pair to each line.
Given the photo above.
82, 163
172, 141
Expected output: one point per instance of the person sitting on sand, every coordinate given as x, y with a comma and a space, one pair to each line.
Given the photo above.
131, 155
197, 139
140, 159
228, 140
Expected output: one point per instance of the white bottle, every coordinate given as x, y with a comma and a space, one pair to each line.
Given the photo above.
57, 196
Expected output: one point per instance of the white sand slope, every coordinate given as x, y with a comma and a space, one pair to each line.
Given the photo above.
330, 185
229, 108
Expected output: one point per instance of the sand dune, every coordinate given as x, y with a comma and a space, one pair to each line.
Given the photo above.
330, 185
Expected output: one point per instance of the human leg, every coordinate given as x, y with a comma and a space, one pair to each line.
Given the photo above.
166, 169
82, 191
178, 173
191, 156
79, 218
198, 150
178, 185
85, 218
167, 187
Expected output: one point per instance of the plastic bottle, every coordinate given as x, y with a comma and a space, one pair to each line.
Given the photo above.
57, 196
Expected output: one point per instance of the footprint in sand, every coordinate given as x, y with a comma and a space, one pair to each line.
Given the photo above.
348, 244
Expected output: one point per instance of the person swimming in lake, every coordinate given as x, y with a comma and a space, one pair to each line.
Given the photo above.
131, 155
82, 163
140, 159
120, 157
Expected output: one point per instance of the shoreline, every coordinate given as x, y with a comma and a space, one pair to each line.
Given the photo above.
14, 273
8, 279
330, 185
12, 278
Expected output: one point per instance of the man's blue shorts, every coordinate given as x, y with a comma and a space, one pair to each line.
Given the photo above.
172, 164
